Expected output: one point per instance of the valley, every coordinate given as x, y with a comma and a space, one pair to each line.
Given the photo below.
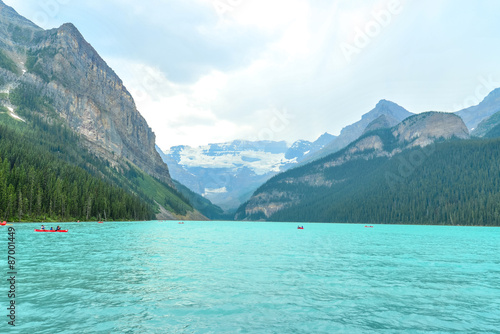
56, 87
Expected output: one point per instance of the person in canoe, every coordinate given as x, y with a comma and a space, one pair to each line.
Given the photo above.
51, 228
43, 227
58, 228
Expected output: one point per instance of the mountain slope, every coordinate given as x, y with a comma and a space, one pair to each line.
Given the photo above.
381, 122
83, 90
487, 125
391, 110
306, 188
474, 115
54, 76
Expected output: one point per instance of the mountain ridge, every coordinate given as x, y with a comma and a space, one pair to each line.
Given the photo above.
417, 131
472, 116
352, 132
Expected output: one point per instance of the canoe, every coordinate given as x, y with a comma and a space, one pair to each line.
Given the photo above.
50, 230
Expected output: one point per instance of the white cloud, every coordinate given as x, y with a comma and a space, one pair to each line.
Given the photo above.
201, 77
178, 114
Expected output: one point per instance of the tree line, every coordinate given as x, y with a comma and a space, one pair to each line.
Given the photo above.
458, 184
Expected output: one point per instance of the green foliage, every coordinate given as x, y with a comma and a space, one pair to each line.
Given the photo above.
3, 109
494, 132
36, 183
160, 192
28, 98
456, 184
8, 64
36, 57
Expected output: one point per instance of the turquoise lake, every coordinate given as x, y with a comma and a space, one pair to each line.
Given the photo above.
230, 277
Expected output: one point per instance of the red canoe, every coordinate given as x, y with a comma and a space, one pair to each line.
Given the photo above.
50, 230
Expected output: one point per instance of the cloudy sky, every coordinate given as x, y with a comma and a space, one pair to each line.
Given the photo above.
208, 71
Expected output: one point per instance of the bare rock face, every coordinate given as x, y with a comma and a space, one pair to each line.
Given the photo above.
416, 131
94, 101
423, 129
84, 90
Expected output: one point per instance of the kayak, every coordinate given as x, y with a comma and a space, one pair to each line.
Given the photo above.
50, 230
300, 228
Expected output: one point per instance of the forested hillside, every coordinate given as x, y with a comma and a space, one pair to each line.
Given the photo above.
47, 174
454, 183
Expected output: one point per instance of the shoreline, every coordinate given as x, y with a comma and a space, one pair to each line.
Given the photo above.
239, 221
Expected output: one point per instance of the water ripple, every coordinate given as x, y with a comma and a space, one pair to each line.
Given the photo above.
256, 278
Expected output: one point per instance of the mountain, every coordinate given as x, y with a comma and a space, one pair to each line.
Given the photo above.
487, 125
203, 205
54, 76
200, 203
380, 159
228, 173
381, 122
393, 115
474, 115
303, 148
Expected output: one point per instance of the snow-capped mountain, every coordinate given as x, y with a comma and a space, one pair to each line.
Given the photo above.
228, 173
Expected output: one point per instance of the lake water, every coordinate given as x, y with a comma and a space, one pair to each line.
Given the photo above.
221, 277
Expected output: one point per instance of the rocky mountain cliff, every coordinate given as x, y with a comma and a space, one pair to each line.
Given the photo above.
417, 131
54, 80
393, 115
84, 91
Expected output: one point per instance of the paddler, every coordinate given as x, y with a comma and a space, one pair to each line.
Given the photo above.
58, 228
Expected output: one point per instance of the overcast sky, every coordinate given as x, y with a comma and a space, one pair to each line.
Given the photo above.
208, 71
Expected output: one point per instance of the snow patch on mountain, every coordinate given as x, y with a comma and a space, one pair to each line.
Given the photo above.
260, 162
